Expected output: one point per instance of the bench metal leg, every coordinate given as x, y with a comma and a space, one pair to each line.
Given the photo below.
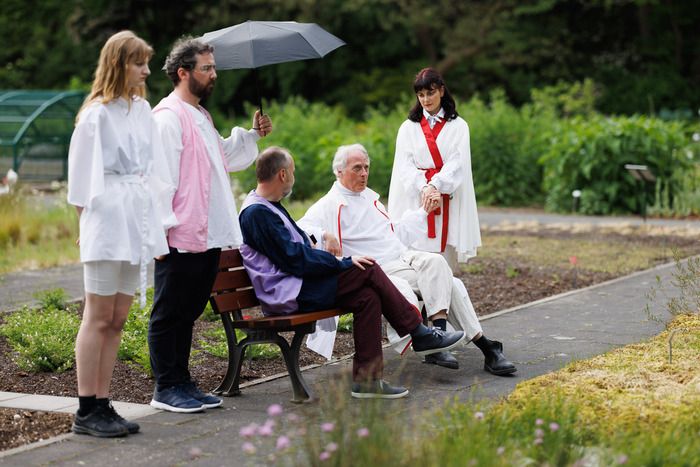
301, 391
236, 351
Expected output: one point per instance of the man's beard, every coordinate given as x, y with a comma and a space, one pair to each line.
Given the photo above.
199, 89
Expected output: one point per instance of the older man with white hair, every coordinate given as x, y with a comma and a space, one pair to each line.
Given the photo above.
351, 220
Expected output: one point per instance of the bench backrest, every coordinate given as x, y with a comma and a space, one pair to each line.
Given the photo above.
232, 289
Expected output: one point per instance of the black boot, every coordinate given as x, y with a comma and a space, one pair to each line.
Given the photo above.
495, 362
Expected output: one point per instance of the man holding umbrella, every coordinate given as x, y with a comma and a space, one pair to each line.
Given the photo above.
199, 160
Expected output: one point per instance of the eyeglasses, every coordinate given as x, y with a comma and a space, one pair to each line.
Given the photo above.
203, 69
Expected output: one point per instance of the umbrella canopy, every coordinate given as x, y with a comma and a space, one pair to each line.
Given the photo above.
258, 43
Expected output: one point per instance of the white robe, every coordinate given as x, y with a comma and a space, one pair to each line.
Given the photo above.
455, 179
113, 160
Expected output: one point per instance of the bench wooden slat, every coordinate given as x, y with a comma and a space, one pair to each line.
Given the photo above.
286, 320
232, 301
230, 259
229, 280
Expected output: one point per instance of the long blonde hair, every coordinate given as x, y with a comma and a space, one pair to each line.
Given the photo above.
111, 78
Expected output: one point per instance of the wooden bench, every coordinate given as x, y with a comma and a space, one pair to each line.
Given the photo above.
231, 294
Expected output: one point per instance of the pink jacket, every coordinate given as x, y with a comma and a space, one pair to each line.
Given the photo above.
191, 200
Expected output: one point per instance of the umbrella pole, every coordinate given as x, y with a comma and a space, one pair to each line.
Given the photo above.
257, 90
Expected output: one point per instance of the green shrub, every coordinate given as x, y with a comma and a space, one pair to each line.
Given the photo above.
345, 323
52, 299
43, 339
506, 144
214, 342
589, 154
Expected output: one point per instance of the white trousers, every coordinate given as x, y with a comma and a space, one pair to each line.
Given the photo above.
418, 274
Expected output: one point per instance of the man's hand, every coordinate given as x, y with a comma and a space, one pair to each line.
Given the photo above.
360, 260
262, 124
430, 199
332, 245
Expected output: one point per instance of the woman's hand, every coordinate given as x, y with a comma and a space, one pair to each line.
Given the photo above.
430, 198
332, 245
359, 261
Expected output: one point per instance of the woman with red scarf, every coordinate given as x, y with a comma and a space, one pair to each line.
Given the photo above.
433, 161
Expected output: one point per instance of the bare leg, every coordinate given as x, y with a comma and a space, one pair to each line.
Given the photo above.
110, 346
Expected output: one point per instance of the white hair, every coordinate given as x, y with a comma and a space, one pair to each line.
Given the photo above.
340, 160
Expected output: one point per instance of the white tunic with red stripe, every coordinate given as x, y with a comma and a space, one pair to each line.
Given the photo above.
412, 159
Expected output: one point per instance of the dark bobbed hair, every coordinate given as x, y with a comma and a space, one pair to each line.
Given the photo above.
184, 55
429, 78
270, 162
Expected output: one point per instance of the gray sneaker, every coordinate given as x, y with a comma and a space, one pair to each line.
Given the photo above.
377, 389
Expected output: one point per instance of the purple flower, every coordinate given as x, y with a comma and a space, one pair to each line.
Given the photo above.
331, 447
292, 417
274, 410
537, 441
265, 430
283, 442
327, 427
248, 431
248, 448
479, 415
539, 433
324, 456
539, 422
554, 426
362, 432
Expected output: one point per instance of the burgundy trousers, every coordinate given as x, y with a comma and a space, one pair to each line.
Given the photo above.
368, 295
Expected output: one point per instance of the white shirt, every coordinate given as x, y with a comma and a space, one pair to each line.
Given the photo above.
240, 150
455, 179
365, 226
112, 167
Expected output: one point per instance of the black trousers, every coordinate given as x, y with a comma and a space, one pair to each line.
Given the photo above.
183, 283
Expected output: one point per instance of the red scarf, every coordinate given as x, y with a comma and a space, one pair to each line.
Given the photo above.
431, 135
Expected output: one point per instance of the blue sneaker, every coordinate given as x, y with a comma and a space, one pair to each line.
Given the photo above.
175, 399
208, 401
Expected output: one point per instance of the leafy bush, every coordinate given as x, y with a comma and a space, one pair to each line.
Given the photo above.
214, 342
345, 323
44, 338
589, 154
506, 144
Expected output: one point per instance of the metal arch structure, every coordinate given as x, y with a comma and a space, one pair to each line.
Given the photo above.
35, 130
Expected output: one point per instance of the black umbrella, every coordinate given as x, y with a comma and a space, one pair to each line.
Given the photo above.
258, 43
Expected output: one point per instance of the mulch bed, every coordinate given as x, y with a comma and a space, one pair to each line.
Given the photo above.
491, 290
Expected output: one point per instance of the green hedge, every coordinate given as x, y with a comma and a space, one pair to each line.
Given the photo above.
533, 155
589, 154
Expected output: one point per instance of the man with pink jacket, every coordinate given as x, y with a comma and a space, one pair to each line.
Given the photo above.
199, 160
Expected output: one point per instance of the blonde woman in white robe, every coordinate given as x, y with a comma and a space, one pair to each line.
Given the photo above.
433, 161
113, 154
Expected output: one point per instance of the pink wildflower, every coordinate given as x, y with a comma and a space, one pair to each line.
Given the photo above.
324, 456
622, 459
265, 430
283, 442
539, 422
327, 427
248, 448
554, 426
248, 431
539, 433
500, 450
274, 410
362, 432
479, 415
331, 447
538, 441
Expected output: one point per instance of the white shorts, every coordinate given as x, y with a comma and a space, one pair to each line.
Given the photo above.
109, 277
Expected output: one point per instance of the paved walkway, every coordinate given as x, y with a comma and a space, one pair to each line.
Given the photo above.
540, 337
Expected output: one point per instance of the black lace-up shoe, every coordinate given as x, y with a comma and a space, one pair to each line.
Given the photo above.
496, 363
132, 427
378, 389
99, 423
436, 341
444, 359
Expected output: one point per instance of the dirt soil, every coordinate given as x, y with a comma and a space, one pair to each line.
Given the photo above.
498, 285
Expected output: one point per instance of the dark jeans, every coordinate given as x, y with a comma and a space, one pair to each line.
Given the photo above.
183, 283
368, 295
